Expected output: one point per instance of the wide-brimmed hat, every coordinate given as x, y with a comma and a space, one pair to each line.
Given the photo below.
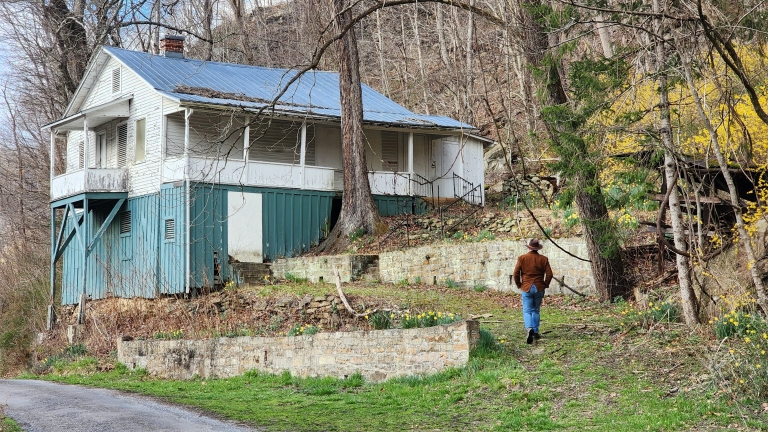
534, 245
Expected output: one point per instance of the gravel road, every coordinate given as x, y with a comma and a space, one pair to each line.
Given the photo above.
40, 406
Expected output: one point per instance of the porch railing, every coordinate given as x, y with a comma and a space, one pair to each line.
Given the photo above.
466, 191
421, 187
90, 180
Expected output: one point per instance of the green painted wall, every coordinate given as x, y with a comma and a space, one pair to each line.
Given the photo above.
149, 261
391, 205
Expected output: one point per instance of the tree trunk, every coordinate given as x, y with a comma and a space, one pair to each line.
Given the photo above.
441, 37
762, 296
208, 28
71, 38
687, 296
358, 211
604, 252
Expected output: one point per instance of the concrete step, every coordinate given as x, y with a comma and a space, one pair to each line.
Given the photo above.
252, 273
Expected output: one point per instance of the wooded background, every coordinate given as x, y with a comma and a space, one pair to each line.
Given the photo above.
560, 85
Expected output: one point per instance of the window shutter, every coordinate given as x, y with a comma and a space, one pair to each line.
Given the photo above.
277, 141
122, 144
80, 155
170, 229
125, 222
116, 80
389, 150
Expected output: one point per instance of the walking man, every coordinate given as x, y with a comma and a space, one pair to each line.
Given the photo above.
532, 276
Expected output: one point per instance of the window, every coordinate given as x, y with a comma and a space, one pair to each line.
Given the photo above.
280, 141
170, 230
389, 142
116, 80
125, 222
122, 144
141, 127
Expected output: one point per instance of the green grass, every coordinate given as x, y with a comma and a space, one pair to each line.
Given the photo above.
8, 425
587, 373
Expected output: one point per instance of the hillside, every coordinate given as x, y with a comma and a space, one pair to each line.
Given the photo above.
599, 366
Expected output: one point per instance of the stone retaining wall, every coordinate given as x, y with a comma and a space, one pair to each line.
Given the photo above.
377, 355
487, 264
320, 268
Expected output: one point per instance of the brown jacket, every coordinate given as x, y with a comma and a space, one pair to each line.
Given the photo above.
532, 269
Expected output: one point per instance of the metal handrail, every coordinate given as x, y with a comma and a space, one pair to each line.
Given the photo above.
467, 191
421, 187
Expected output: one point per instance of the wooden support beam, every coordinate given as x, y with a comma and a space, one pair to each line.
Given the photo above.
64, 218
104, 225
62, 247
77, 224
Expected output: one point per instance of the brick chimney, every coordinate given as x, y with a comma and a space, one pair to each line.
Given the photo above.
172, 46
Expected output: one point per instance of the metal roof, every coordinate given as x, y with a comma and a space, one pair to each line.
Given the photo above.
315, 94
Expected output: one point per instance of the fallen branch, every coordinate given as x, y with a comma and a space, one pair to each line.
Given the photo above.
344, 298
659, 280
562, 283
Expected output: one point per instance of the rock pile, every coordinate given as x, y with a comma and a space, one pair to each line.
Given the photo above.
533, 185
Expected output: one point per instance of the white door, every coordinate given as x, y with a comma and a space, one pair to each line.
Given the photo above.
244, 230
446, 161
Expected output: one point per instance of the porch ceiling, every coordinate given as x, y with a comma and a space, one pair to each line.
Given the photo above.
95, 116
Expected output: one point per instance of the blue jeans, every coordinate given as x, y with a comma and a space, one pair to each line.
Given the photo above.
531, 306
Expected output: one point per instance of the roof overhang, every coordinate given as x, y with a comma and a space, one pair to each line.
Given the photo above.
94, 116
486, 141
277, 112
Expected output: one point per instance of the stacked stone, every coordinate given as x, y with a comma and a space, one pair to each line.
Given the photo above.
528, 185
324, 310
377, 355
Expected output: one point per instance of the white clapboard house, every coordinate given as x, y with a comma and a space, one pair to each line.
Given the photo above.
173, 169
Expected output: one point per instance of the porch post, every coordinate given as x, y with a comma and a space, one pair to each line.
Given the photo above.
86, 148
188, 201
51, 315
410, 151
303, 157
410, 161
247, 147
52, 155
247, 138
85, 235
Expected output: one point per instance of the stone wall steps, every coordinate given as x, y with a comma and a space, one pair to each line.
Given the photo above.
252, 273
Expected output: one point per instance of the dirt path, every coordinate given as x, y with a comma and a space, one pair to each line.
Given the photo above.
40, 406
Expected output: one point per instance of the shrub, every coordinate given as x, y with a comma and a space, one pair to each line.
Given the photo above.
380, 320
480, 288
303, 329
290, 277
484, 235
487, 345
176, 334
736, 323
76, 350
428, 319
450, 283
742, 358
664, 312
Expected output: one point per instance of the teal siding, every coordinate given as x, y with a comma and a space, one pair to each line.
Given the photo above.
392, 205
293, 221
171, 262
144, 263
122, 265
209, 233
